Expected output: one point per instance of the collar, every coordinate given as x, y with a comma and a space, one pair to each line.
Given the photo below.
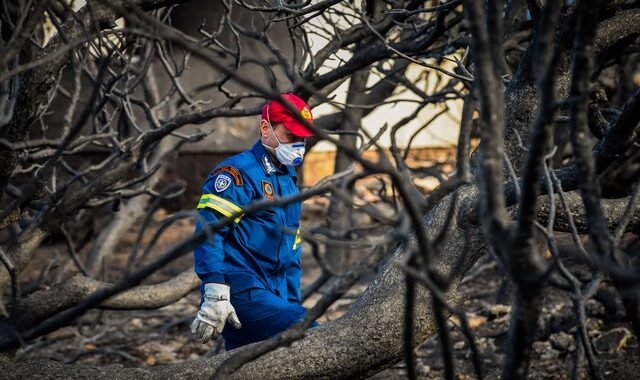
267, 162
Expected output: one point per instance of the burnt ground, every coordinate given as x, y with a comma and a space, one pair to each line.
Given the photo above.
154, 337
553, 352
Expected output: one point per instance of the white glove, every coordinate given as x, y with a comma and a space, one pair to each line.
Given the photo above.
215, 311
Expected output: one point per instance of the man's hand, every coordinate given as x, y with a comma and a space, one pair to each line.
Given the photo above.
215, 311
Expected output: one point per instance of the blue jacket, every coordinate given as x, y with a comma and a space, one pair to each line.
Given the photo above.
260, 249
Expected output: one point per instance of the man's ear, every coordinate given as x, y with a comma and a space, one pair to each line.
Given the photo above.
264, 128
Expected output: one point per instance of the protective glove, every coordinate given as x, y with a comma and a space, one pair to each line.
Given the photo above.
215, 311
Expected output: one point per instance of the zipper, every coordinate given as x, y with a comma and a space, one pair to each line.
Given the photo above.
279, 213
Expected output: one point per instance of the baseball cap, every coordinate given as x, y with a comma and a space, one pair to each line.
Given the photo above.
278, 113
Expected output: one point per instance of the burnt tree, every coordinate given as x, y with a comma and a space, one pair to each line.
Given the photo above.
554, 87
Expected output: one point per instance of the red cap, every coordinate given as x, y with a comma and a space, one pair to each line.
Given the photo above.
278, 113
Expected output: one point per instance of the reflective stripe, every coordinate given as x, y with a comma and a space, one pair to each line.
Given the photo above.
221, 205
298, 240
223, 201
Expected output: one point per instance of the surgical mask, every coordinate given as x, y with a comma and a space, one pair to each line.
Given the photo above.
289, 154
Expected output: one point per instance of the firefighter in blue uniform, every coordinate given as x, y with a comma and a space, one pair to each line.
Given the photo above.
250, 269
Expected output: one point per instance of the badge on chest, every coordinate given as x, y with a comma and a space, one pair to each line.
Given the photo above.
267, 190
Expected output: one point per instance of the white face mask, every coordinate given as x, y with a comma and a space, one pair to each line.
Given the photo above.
288, 154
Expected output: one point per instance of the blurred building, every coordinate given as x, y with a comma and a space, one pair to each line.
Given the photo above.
228, 136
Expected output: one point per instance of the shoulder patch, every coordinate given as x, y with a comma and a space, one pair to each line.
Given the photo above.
267, 189
237, 177
222, 181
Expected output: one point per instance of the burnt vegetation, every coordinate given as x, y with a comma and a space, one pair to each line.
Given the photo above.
97, 101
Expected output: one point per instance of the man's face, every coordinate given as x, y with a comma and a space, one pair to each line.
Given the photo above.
283, 134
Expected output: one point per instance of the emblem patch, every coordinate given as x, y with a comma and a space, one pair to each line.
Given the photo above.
268, 165
306, 113
237, 177
267, 190
222, 182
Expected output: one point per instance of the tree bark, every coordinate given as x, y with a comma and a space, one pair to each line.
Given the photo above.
44, 303
340, 214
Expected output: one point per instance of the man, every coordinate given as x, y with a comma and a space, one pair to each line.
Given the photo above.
250, 269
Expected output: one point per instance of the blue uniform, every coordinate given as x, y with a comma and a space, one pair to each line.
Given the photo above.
258, 255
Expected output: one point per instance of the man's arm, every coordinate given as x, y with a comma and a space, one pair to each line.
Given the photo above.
209, 256
223, 196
